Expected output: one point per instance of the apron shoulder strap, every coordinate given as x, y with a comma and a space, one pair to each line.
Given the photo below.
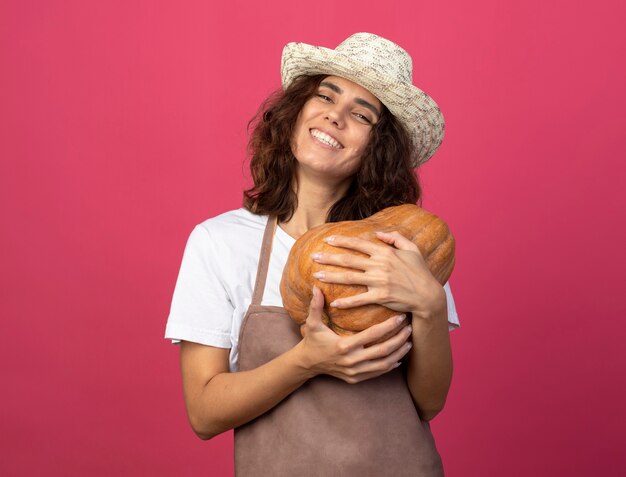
264, 260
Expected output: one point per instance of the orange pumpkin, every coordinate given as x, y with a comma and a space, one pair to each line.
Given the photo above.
426, 230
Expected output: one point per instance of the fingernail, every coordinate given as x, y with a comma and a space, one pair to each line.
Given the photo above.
397, 364
409, 329
335, 304
319, 274
400, 318
316, 256
408, 346
329, 239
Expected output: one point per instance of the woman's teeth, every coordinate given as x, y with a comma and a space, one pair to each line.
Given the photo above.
325, 138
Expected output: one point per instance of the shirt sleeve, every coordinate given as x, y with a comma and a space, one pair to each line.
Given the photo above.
201, 309
453, 317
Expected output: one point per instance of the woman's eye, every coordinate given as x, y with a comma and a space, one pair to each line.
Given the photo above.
323, 96
364, 118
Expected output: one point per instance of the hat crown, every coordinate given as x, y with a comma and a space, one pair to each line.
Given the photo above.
379, 54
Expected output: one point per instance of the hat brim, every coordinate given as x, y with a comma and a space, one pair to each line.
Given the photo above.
413, 107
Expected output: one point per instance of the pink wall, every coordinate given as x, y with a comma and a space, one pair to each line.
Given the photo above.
123, 124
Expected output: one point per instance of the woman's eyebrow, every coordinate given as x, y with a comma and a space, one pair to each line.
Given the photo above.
332, 86
361, 101
367, 105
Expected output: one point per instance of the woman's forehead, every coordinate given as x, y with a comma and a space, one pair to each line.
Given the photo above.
342, 85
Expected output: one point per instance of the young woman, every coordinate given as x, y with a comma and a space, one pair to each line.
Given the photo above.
340, 142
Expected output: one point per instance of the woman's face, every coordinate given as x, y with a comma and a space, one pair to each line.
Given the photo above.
333, 128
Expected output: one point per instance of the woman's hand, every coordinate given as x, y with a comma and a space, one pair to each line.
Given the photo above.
395, 275
347, 357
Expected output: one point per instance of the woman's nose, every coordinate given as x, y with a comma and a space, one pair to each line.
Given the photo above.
335, 115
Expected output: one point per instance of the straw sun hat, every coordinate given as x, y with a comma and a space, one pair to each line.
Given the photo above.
384, 69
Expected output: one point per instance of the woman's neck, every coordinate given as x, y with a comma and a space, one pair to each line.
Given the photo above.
314, 202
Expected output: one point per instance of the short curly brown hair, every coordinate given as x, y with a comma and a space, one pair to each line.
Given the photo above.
385, 178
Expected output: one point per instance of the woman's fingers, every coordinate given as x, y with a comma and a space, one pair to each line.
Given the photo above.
373, 333
354, 243
347, 357
393, 238
397, 240
357, 300
346, 260
395, 273
315, 309
375, 367
382, 349
346, 278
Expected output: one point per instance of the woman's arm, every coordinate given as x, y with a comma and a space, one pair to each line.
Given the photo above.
217, 400
429, 367
398, 278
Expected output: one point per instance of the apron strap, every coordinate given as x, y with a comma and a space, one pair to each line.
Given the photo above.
264, 260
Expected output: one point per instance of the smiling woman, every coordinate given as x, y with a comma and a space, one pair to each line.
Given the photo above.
384, 177
339, 142
333, 130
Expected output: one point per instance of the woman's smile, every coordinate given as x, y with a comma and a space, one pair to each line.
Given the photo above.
325, 139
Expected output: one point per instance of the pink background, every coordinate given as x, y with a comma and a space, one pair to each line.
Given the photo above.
123, 124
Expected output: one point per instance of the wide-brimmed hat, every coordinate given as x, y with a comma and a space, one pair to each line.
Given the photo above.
383, 68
